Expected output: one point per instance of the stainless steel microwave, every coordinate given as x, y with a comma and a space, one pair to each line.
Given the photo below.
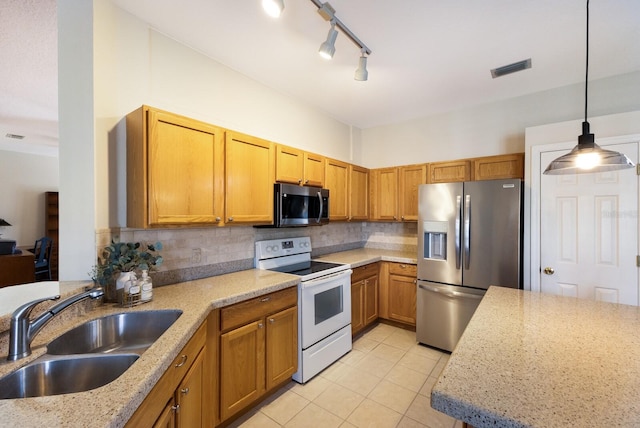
300, 205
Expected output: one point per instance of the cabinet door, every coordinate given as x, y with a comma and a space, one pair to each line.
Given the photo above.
184, 171
449, 172
498, 167
358, 193
357, 306
313, 170
402, 298
336, 180
250, 174
282, 346
189, 395
411, 176
289, 164
167, 418
242, 358
370, 299
384, 185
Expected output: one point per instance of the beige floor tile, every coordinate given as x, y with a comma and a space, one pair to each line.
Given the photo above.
346, 424
406, 377
418, 363
375, 365
437, 370
339, 400
425, 351
334, 371
421, 411
372, 415
365, 345
379, 332
255, 420
410, 423
284, 407
428, 385
357, 380
314, 416
387, 352
312, 388
352, 357
393, 396
401, 340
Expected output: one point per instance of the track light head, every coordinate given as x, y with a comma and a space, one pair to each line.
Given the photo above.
361, 72
273, 8
328, 48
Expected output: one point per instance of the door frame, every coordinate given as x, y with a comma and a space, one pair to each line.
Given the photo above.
532, 202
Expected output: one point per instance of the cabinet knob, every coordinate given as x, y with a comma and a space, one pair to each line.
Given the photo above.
395, 218
182, 362
402, 218
403, 266
185, 391
175, 408
230, 219
300, 181
260, 325
271, 320
218, 219
306, 182
266, 299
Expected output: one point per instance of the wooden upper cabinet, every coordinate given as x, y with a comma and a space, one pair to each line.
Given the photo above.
358, 193
175, 170
450, 171
298, 167
249, 178
384, 193
498, 167
411, 176
337, 181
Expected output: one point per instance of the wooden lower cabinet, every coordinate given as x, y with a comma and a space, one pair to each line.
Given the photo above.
258, 349
398, 292
177, 400
364, 296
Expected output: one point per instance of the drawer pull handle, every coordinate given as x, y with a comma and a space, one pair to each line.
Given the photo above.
266, 299
185, 391
182, 362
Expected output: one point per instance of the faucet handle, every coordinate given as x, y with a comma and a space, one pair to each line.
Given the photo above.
25, 310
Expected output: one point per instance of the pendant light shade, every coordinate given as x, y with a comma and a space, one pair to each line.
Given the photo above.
587, 156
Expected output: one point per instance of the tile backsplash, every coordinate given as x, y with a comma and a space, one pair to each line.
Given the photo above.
202, 252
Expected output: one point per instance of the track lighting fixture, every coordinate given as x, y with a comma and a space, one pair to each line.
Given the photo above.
587, 156
328, 47
362, 74
273, 8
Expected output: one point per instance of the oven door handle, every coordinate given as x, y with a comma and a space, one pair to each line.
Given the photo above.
324, 279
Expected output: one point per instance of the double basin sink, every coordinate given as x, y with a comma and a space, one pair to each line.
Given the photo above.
90, 355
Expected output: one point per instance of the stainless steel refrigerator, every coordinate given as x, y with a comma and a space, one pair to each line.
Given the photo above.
469, 238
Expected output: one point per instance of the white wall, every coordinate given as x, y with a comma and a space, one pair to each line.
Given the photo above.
494, 128
25, 178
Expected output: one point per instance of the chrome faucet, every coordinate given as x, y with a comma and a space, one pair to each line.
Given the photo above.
23, 330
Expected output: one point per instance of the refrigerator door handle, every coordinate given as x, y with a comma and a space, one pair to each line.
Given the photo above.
458, 227
467, 230
449, 293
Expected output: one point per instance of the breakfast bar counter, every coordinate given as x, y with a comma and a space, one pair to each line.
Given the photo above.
537, 360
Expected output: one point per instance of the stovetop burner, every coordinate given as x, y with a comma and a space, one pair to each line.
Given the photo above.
306, 268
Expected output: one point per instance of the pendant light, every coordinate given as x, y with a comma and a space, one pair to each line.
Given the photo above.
587, 156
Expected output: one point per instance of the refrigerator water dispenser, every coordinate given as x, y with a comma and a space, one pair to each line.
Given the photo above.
435, 240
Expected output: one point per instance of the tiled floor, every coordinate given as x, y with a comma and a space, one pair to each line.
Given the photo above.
385, 381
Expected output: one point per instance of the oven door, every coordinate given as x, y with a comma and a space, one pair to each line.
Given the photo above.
325, 306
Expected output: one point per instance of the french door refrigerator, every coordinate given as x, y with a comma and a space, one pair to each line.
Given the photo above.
469, 238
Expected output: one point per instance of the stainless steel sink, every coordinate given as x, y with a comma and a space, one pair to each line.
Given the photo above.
65, 375
128, 332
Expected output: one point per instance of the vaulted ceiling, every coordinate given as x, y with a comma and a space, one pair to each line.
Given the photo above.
427, 56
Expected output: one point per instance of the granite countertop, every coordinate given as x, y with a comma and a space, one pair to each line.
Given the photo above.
364, 256
113, 404
538, 360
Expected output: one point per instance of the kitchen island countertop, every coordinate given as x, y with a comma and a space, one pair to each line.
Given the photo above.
538, 360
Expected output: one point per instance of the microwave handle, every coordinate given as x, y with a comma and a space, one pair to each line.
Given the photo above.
321, 208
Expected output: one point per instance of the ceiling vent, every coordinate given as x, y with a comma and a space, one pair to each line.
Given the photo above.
15, 136
511, 68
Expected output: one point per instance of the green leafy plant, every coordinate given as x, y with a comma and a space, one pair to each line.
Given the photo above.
125, 257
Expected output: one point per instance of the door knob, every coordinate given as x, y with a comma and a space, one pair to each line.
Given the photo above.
549, 271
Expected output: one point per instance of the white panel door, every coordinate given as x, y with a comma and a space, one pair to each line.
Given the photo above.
589, 232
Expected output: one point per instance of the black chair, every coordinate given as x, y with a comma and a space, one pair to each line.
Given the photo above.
42, 252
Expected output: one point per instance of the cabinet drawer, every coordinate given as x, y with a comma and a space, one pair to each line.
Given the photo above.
403, 269
187, 356
362, 272
244, 312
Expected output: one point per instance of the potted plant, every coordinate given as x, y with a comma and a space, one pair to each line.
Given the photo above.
120, 260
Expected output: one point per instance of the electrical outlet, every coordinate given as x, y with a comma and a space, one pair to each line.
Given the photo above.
196, 255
